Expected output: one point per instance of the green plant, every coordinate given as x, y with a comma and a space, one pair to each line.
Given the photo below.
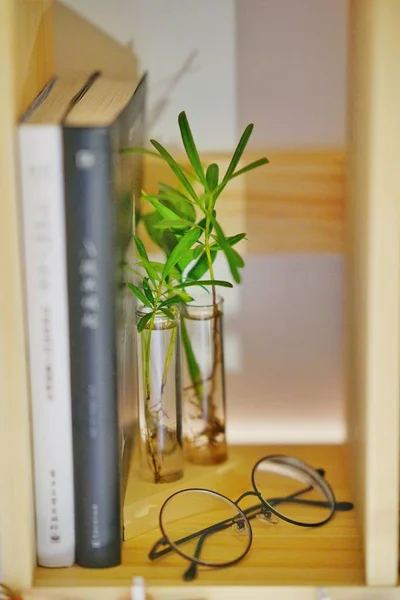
188, 211
159, 291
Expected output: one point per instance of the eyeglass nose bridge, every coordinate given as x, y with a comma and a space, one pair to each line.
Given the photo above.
240, 525
266, 516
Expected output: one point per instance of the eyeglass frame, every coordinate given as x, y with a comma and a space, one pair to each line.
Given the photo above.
267, 510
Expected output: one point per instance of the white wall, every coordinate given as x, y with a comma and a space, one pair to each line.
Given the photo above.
292, 71
278, 63
281, 64
286, 384
188, 47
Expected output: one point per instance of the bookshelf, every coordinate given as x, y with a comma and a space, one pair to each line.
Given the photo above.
25, 65
364, 551
295, 205
278, 553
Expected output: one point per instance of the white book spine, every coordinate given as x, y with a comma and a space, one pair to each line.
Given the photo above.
43, 215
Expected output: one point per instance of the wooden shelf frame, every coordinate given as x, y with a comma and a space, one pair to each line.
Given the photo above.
25, 65
295, 204
372, 232
373, 235
328, 555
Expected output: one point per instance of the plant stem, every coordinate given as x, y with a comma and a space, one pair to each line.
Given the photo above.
168, 359
211, 416
215, 334
147, 384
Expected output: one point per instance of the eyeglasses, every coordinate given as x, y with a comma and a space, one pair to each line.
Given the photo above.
207, 528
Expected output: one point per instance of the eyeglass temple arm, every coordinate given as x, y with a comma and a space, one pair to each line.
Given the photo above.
155, 553
339, 506
293, 498
277, 500
251, 513
191, 573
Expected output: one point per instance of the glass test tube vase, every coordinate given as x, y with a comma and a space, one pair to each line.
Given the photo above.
204, 418
160, 398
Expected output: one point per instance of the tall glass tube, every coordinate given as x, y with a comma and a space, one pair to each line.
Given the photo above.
160, 399
203, 383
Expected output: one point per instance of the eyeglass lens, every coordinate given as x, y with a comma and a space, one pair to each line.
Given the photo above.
206, 527
295, 490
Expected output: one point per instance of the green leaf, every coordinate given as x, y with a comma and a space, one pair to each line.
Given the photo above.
148, 292
184, 244
148, 152
175, 168
183, 208
170, 192
218, 191
180, 206
251, 166
202, 223
190, 147
181, 293
168, 313
232, 240
174, 224
140, 247
173, 275
235, 239
157, 266
201, 267
204, 282
164, 239
212, 175
164, 210
139, 294
238, 259
150, 221
145, 259
237, 155
227, 250
198, 251
171, 301
186, 260
143, 322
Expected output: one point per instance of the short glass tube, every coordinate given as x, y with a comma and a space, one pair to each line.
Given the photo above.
204, 418
160, 398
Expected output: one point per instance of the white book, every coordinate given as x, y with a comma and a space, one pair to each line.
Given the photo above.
44, 240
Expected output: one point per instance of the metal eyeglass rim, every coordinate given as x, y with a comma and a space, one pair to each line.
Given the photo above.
265, 506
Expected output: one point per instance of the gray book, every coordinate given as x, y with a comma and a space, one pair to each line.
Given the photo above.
100, 186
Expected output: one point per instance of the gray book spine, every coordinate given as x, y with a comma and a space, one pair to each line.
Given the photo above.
89, 168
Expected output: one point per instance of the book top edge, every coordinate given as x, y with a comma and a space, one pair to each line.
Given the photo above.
102, 104
53, 102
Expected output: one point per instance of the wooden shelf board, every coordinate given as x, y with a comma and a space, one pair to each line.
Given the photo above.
296, 203
280, 555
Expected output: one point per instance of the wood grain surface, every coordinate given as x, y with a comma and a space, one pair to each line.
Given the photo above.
25, 66
294, 204
280, 555
373, 298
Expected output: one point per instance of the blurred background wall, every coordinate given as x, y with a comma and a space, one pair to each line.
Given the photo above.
281, 64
